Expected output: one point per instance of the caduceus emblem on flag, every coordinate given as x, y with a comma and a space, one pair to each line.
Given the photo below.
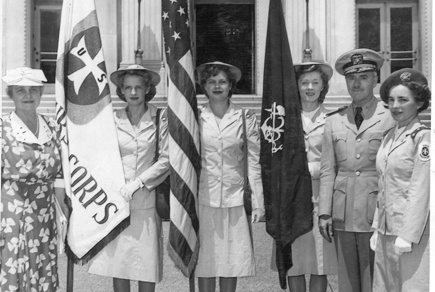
273, 126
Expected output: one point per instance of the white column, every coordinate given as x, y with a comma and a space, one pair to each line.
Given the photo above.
2, 56
425, 23
151, 36
16, 34
341, 37
107, 20
152, 40
261, 15
295, 18
296, 21
128, 31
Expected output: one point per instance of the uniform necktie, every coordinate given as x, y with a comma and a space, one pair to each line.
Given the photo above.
358, 117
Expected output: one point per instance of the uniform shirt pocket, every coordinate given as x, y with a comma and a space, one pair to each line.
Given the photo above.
235, 182
375, 139
371, 205
339, 200
399, 206
340, 145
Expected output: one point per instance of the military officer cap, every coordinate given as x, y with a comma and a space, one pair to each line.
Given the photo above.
359, 60
406, 75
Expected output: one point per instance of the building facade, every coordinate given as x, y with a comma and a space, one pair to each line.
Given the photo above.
232, 31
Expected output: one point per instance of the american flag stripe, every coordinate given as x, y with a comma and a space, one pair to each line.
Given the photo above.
184, 154
185, 168
184, 140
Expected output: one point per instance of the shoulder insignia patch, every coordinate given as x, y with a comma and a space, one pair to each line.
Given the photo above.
424, 152
336, 111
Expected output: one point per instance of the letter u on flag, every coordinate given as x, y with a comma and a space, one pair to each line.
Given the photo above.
184, 157
286, 179
90, 155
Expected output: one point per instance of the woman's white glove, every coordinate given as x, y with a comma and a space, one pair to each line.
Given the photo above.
374, 240
129, 188
402, 245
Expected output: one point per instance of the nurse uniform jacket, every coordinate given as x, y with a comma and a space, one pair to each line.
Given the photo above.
222, 172
404, 183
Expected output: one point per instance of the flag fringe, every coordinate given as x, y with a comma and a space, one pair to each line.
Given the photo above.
99, 246
186, 270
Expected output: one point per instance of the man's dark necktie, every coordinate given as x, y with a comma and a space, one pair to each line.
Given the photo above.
358, 117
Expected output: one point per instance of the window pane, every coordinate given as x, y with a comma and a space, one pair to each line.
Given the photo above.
397, 65
401, 29
50, 22
369, 31
225, 33
49, 68
401, 55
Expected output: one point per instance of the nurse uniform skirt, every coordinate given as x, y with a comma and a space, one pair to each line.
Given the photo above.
136, 253
226, 248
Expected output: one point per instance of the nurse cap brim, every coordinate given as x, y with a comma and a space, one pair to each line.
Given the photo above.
325, 67
233, 69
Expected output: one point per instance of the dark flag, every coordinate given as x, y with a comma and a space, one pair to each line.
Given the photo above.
184, 154
286, 178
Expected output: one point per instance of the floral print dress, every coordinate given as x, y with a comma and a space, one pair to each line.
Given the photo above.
28, 234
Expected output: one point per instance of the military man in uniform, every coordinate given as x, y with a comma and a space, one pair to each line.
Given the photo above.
348, 178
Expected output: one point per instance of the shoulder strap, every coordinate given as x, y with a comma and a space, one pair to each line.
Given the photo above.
413, 134
156, 156
245, 151
336, 111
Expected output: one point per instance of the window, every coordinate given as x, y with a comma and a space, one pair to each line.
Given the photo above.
46, 36
225, 32
390, 29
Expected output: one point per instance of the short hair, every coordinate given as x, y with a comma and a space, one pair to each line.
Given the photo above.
420, 92
146, 78
315, 68
213, 70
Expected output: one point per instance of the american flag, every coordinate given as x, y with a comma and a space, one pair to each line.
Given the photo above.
184, 153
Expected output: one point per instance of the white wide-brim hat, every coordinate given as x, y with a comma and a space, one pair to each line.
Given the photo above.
24, 76
233, 69
325, 67
116, 76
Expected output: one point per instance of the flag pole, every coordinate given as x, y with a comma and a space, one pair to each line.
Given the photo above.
70, 258
138, 53
307, 50
70, 275
192, 275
